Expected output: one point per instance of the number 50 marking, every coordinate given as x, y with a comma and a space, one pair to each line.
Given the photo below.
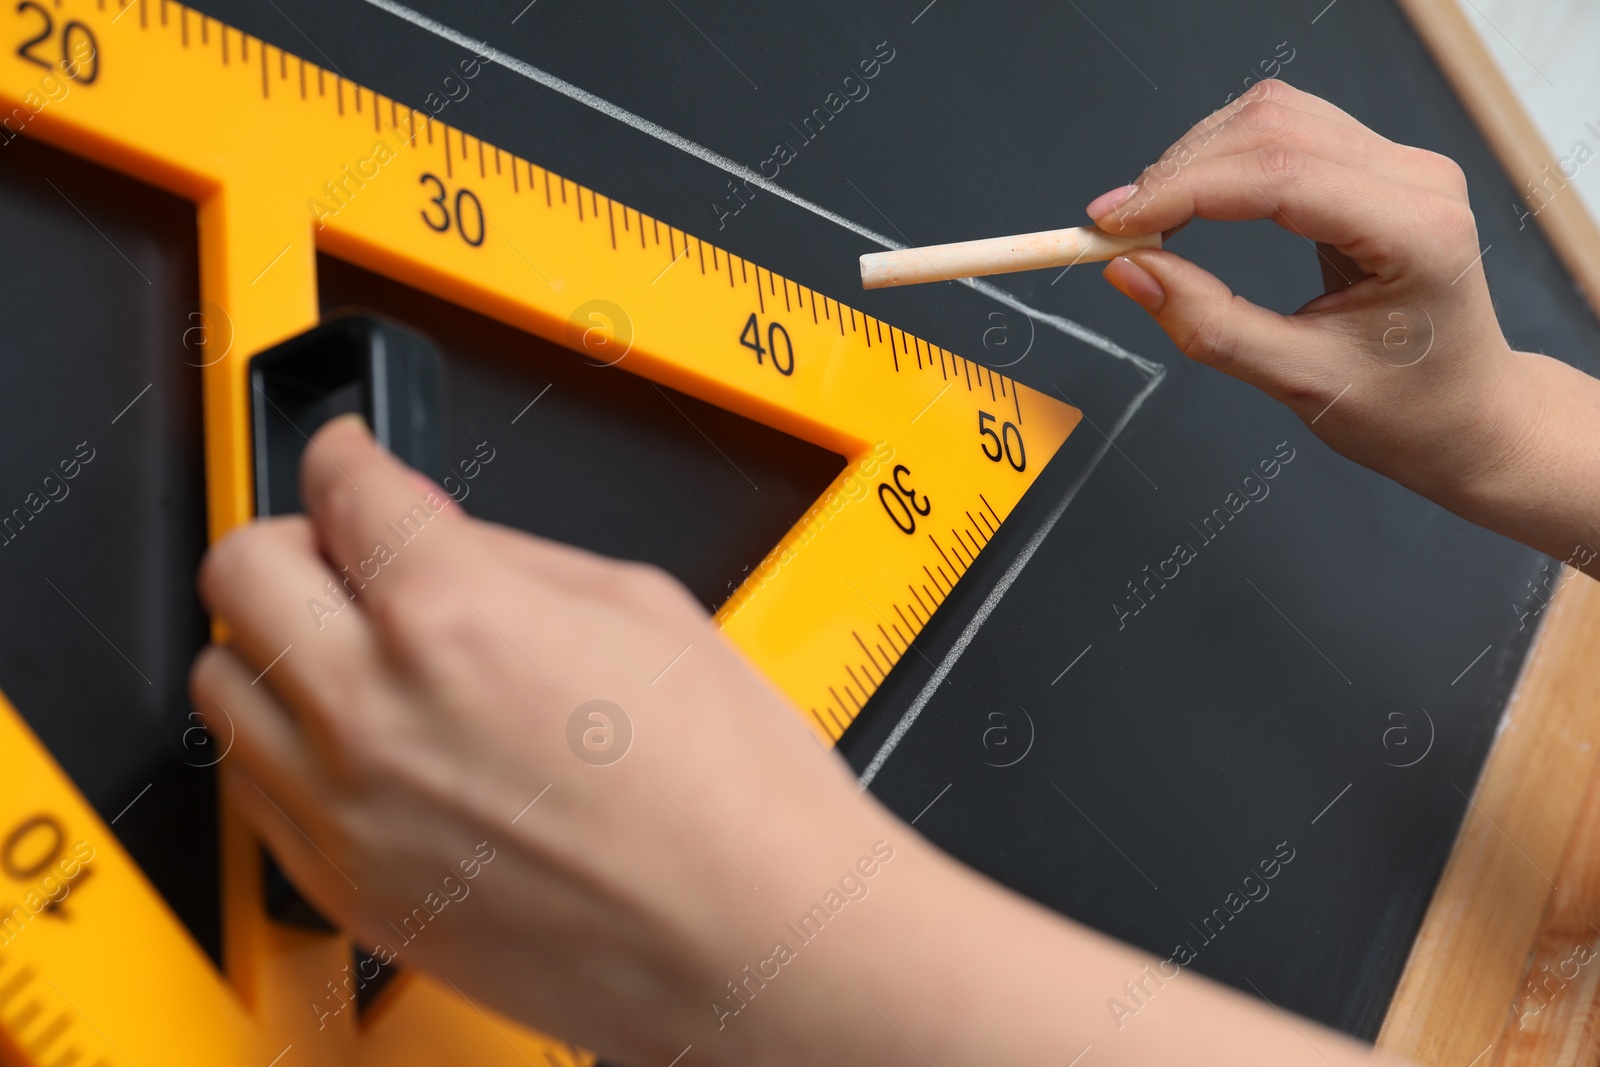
1009, 432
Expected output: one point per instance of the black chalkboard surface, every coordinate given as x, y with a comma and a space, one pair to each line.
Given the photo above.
1320, 683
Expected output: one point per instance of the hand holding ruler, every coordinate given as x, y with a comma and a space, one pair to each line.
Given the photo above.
284, 159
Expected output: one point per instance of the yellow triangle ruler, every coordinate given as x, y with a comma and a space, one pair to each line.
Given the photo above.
284, 159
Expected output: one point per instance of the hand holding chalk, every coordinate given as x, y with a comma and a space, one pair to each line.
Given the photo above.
997, 255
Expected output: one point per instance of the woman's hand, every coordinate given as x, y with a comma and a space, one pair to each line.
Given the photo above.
417, 749
406, 683
1400, 365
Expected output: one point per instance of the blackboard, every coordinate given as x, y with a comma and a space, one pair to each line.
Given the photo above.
1124, 768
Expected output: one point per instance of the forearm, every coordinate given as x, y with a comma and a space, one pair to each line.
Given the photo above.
944, 966
1535, 470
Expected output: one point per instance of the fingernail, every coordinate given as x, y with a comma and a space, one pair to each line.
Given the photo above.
1136, 283
1106, 203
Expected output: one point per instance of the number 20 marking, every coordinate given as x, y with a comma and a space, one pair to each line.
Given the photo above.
84, 67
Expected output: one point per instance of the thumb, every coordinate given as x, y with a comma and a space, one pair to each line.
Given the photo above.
1211, 325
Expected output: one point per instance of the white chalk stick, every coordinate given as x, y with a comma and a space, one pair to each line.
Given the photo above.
997, 255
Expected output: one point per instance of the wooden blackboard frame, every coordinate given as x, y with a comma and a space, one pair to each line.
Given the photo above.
1523, 879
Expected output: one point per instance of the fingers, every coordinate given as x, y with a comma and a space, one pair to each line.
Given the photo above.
1213, 326
1371, 220
373, 515
256, 729
1278, 96
293, 625
287, 835
1265, 124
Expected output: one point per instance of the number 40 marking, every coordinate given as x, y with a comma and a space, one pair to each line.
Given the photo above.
750, 337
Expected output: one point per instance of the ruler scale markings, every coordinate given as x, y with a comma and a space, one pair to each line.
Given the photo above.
851, 693
909, 627
870, 657
897, 646
685, 337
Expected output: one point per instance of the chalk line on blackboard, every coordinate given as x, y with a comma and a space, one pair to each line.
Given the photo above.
1151, 370
992, 601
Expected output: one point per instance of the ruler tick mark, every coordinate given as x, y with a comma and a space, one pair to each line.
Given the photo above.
870, 657
897, 646
865, 689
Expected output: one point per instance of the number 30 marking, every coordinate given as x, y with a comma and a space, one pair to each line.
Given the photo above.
469, 221
900, 501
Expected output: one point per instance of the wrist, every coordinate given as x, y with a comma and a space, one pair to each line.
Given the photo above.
1526, 469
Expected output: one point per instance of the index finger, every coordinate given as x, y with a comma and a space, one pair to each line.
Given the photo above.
371, 512
1371, 220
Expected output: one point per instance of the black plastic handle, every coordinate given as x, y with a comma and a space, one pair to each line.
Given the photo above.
351, 363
